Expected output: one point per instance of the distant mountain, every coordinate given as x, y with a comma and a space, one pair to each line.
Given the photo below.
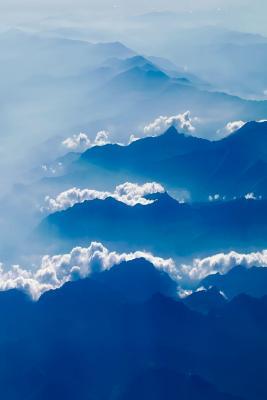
252, 281
149, 149
74, 76
246, 51
164, 227
122, 65
237, 57
137, 78
231, 167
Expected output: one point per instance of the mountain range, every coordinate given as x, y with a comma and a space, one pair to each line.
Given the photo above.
133, 206
95, 87
165, 227
93, 331
231, 167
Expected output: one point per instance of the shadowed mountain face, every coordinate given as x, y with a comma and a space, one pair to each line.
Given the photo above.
252, 281
150, 149
164, 384
231, 167
137, 281
98, 330
205, 301
164, 227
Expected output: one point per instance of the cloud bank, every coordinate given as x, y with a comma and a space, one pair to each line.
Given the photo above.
183, 123
55, 271
222, 263
80, 263
81, 142
128, 193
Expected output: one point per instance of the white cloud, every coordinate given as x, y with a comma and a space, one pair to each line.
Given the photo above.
81, 142
216, 197
231, 127
128, 193
55, 271
183, 122
250, 196
222, 263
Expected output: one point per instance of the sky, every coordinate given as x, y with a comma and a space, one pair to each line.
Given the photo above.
240, 14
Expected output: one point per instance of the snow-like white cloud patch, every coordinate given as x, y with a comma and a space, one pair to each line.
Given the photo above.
183, 122
82, 142
230, 128
250, 196
128, 193
55, 271
216, 197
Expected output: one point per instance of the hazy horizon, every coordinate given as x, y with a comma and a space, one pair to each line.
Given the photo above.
240, 15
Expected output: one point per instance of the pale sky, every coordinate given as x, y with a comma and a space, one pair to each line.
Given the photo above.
246, 15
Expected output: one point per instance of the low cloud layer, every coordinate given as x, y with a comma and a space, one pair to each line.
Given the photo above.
81, 142
183, 123
55, 271
128, 193
222, 263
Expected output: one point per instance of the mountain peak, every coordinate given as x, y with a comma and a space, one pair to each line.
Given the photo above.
164, 196
171, 131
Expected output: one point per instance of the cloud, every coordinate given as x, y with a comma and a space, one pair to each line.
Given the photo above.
183, 122
81, 142
231, 127
81, 262
250, 196
216, 197
222, 263
128, 193
55, 271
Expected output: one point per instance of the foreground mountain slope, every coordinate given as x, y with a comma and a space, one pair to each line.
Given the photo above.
86, 333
